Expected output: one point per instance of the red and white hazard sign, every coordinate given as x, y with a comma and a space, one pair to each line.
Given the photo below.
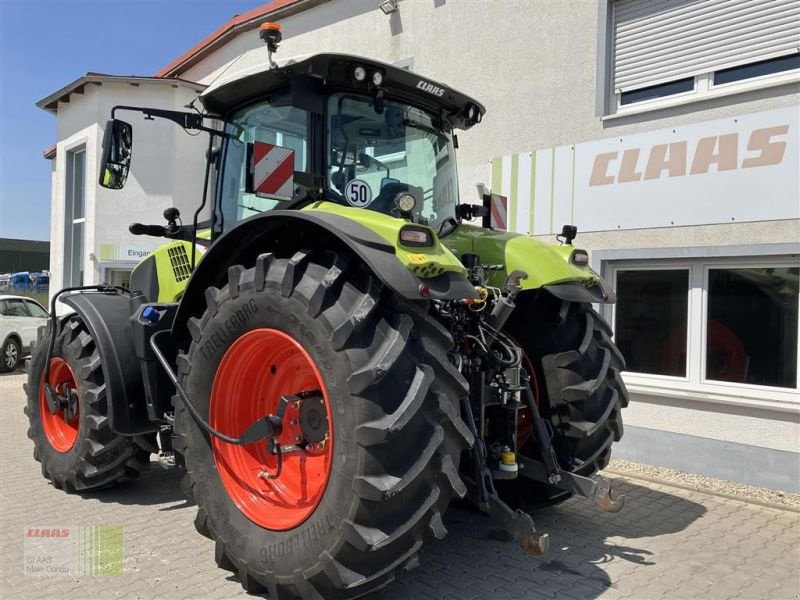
499, 212
272, 169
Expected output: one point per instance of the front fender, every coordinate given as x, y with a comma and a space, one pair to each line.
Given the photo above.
547, 265
287, 231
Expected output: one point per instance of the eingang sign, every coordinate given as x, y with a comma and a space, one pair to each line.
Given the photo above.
742, 168
123, 253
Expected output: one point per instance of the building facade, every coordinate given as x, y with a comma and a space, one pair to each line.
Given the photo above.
89, 238
667, 132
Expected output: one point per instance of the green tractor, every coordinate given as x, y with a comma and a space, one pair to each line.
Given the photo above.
337, 352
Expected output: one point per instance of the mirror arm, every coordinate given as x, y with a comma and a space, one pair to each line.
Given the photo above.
186, 120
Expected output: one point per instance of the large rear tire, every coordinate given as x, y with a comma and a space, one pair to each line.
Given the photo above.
79, 452
577, 385
396, 435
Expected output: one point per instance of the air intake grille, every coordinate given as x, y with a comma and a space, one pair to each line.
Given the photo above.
181, 267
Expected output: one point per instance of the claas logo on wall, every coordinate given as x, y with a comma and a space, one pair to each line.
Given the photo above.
765, 147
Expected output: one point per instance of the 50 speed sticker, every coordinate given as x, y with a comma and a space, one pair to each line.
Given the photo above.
358, 193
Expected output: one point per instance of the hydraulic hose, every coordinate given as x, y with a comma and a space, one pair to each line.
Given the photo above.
266, 428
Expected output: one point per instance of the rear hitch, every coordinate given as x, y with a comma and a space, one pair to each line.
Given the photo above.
597, 489
520, 525
603, 498
517, 523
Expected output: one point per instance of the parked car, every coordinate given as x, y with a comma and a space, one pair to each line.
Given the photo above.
20, 319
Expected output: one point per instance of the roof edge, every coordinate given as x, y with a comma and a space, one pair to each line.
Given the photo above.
238, 23
50, 102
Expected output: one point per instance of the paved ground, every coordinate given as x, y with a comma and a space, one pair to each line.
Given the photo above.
667, 543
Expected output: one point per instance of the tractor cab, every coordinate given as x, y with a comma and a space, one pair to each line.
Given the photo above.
330, 127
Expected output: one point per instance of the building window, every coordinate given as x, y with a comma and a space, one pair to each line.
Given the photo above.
74, 217
751, 328
710, 322
757, 69
652, 313
664, 52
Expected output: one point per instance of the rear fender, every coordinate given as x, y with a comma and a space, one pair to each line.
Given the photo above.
285, 232
107, 317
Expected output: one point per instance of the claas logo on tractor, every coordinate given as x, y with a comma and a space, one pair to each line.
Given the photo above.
340, 349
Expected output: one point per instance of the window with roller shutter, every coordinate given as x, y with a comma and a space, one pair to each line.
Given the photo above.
668, 51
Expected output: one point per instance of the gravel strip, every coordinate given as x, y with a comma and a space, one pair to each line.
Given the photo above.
709, 485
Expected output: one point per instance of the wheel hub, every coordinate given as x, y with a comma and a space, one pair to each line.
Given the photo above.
314, 420
59, 405
277, 484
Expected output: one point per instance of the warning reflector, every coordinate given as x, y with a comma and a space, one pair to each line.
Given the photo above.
272, 170
499, 212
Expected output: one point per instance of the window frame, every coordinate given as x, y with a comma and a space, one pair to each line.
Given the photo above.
706, 266
70, 221
696, 385
663, 266
609, 99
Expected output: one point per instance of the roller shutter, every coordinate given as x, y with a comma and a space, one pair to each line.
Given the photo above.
658, 41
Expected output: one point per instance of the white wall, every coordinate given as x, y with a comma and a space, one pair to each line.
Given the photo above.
167, 170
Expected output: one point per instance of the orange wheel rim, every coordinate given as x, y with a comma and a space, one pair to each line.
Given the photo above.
259, 368
61, 432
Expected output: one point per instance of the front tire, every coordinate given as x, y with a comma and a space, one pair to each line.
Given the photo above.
78, 452
392, 402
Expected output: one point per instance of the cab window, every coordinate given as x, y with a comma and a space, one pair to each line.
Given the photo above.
282, 126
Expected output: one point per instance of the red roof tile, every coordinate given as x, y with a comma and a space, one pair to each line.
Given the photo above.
248, 20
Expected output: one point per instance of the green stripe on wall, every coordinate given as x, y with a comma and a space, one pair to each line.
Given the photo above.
512, 201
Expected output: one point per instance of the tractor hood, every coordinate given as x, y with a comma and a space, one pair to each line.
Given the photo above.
548, 266
249, 77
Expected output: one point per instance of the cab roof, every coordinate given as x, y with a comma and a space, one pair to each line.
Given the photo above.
250, 77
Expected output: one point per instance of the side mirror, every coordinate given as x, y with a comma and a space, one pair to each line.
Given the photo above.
117, 148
